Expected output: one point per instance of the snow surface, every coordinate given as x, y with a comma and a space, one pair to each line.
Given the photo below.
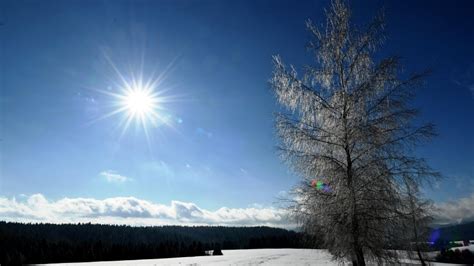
297, 257
470, 248
235, 257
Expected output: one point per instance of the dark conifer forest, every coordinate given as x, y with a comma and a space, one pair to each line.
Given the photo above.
54, 243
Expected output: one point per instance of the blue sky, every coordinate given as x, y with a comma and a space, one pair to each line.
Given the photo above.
219, 147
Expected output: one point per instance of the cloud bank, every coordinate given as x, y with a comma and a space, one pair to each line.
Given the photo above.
133, 211
459, 211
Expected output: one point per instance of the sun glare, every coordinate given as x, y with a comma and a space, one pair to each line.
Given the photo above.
140, 104
139, 101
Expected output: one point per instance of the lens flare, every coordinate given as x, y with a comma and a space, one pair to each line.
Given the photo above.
320, 185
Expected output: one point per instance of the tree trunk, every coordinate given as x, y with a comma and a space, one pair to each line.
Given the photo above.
359, 258
359, 254
423, 263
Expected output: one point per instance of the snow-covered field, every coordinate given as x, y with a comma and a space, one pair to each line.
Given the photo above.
470, 248
236, 257
240, 257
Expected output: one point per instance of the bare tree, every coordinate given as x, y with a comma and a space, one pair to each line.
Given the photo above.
350, 126
416, 219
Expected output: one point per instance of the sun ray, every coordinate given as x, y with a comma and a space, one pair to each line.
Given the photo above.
107, 115
140, 100
127, 122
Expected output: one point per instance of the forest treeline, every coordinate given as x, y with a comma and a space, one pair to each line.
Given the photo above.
53, 243
22, 243
463, 231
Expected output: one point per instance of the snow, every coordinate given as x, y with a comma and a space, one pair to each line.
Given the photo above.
242, 257
235, 257
470, 248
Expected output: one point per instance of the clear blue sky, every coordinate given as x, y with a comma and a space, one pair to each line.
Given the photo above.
220, 150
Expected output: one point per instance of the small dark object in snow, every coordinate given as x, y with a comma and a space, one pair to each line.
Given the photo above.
217, 252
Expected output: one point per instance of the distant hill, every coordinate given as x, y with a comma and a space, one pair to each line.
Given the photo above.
455, 232
46, 243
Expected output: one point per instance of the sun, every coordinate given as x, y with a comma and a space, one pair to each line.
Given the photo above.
139, 102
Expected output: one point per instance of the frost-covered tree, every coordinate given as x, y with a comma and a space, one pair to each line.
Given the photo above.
349, 126
414, 220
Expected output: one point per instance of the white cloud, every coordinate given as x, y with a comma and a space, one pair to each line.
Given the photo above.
133, 211
459, 211
114, 177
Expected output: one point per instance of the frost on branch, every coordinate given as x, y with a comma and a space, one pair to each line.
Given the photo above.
350, 124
